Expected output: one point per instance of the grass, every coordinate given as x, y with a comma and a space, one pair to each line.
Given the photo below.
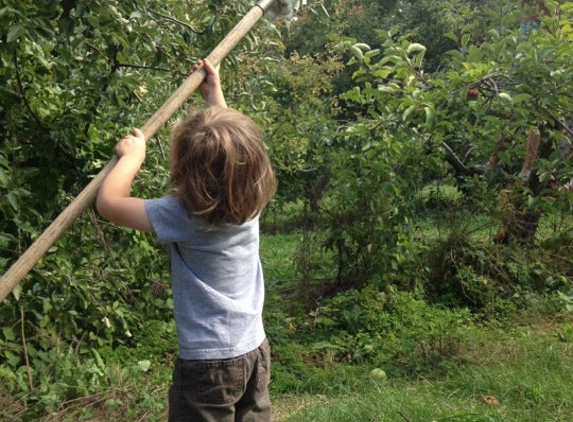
524, 375
277, 258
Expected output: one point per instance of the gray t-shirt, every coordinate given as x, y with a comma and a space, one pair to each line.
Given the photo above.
217, 282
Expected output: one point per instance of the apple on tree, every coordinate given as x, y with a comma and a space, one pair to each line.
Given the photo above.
472, 93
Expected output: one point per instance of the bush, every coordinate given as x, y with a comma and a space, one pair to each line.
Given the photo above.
386, 328
493, 280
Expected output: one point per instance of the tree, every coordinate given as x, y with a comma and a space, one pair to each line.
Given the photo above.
481, 104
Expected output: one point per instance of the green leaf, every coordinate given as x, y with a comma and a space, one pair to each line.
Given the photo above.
16, 291
362, 46
383, 72
98, 360
12, 199
415, 48
465, 40
14, 32
407, 112
144, 365
356, 52
8, 333
494, 34
505, 97
372, 53
352, 95
430, 114
521, 98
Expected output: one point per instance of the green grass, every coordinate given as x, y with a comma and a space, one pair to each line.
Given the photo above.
521, 375
277, 258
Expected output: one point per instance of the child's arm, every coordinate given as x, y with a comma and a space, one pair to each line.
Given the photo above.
114, 200
211, 85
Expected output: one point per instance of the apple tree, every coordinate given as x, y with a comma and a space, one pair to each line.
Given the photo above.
495, 115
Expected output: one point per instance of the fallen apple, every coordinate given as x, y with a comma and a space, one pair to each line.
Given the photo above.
378, 374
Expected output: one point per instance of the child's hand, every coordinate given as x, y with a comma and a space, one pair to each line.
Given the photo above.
212, 79
132, 145
211, 85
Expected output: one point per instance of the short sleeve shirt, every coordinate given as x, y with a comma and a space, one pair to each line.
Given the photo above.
217, 281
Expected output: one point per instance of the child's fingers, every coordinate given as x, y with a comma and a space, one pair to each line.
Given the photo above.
137, 133
210, 69
197, 65
135, 136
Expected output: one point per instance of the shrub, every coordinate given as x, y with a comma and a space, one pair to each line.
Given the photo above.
387, 328
490, 279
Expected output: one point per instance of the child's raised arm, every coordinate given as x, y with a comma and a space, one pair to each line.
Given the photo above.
114, 200
211, 85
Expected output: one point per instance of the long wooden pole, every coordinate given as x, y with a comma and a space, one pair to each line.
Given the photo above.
87, 196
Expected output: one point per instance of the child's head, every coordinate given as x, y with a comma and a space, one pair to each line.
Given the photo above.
220, 167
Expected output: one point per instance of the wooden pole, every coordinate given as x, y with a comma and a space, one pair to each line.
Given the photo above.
87, 196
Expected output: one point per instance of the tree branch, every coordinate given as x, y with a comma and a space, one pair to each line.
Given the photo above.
174, 20
23, 93
26, 355
461, 168
455, 161
138, 66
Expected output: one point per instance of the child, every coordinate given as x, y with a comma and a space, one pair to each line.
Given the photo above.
223, 179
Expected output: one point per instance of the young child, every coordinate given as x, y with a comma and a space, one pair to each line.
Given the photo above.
223, 178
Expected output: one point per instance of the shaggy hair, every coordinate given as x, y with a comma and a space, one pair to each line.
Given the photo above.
220, 167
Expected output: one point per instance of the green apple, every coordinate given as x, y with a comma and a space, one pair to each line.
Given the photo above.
378, 374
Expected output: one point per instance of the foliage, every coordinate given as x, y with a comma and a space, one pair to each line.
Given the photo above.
522, 362
294, 108
76, 75
374, 136
387, 329
51, 330
407, 121
492, 280
508, 375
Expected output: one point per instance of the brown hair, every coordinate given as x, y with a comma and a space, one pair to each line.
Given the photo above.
220, 167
